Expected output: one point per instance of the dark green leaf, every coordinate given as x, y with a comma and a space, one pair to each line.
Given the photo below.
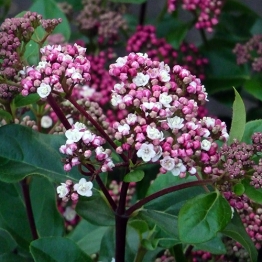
27, 152
165, 221
238, 119
149, 244
236, 230
20, 100
13, 214
202, 217
250, 128
140, 225
85, 231
251, 192
253, 86
214, 246
107, 248
239, 189
50, 10
134, 176
5, 115
8, 244
44, 202
57, 249
12, 257
96, 210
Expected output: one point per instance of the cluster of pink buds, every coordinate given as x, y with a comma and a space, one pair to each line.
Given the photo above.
207, 11
162, 123
61, 68
171, 6
82, 146
69, 190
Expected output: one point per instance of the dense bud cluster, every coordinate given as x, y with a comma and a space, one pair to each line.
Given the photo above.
250, 52
61, 68
162, 123
103, 21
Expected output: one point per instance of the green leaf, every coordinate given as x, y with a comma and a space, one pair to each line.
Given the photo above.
202, 217
50, 10
13, 214
238, 119
20, 100
57, 249
85, 231
8, 244
44, 202
236, 230
250, 128
5, 115
149, 244
107, 248
214, 246
253, 87
251, 192
26, 152
165, 221
12, 257
96, 210
134, 176
140, 225
239, 189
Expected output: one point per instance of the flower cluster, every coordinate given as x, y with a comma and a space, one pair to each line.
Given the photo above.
103, 21
162, 123
146, 40
84, 147
69, 190
61, 68
251, 51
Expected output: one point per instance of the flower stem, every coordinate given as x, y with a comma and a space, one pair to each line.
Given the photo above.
167, 191
58, 111
29, 210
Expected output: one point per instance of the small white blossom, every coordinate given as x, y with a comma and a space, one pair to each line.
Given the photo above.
209, 121
164, 76
124, 129
42, 64
86, 91
154, 133
131, 119
46, 121
145, 55
43, 90
146, 152
165, 99
118, 87
167, 163
79, 126
84, 188
121, 61
140, 79
205, 145
69, 213
159, 151
73, 135
179, 167
116, 99
62, 190
175, 122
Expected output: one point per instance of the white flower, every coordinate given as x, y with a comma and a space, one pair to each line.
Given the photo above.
62, 190
164, 76
158, 150
116, 99
179, 167
175, 122
165, 99
46, 121
42, 64
83, 188
43, 90
146, 152
88, 136
209, 121
131, 119
81, 50
145, 55
86, 91
154, 133
140, 79
205, 145
118, 87
121, 61
167, 163
73, 135
69, 214
79, 126
124, 129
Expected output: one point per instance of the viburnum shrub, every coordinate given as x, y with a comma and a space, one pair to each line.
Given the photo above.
107, 157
